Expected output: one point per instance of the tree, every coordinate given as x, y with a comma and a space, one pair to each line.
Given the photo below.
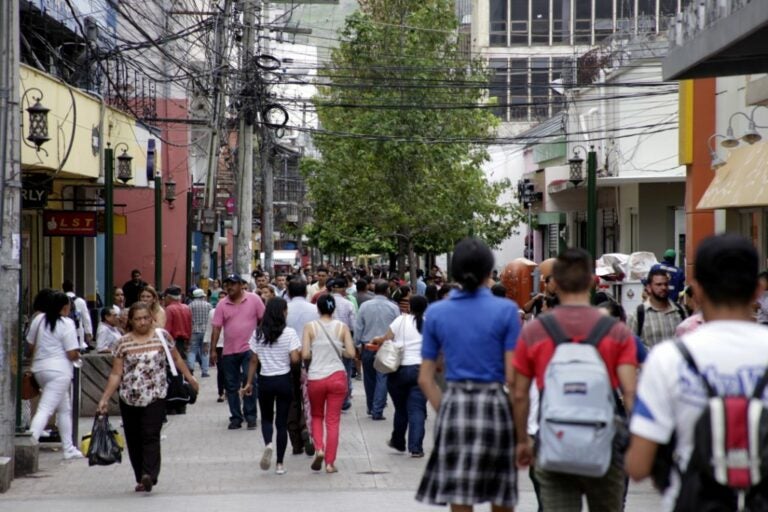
401, 111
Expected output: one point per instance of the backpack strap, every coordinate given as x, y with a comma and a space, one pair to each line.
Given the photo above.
760, 386
552, 327
680, 311
640, 317
692, 364
599, 331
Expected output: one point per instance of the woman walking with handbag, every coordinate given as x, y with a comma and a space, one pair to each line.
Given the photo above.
276, 347
325, 342
473, 460
141, 360
53, 338
403, 384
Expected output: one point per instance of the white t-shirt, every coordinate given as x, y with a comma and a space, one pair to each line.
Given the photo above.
406, 334
106, 337
275, 358
733, 355
51, 347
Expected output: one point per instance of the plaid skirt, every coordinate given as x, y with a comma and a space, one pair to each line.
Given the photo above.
473, 460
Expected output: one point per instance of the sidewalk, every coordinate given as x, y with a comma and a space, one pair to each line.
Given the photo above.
209, 468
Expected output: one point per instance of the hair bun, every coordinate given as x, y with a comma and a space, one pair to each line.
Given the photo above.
469, 281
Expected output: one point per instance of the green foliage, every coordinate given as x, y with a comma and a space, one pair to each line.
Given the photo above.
397, 161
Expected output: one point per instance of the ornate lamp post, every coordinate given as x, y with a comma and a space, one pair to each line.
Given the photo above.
38, 120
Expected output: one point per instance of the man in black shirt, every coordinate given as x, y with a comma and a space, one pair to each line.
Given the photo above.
132, 289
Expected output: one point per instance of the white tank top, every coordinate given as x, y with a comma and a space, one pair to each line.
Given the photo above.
326, 359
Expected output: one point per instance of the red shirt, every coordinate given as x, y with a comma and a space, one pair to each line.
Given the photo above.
535, 347
178, 321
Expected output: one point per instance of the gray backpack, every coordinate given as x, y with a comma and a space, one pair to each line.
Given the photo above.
577, 408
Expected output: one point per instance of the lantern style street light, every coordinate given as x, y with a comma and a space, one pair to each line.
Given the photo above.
170, 192
38, 120
576, 166
124, 168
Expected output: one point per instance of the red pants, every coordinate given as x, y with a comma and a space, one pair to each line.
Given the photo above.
326, 397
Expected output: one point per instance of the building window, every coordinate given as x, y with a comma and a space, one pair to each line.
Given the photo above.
582, 24
498, 87
518, 89
540, 88
540, 22
498, 23
625, 15
561, 21
519, 23
603, 19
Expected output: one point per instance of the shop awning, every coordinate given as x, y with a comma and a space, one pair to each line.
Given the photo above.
742, 182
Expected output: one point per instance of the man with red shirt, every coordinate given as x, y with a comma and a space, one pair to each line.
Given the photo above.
178, 323
238, 314
572, 273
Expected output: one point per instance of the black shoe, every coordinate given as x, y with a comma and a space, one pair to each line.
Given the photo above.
220, 399
392, 445
378, 418
252, 425
309, 446
234, 425
346, 406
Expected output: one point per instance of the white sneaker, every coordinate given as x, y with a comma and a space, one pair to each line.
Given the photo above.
279, 469
73, 453
266, 459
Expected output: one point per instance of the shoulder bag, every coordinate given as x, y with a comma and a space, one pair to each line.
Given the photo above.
179, 390
390, 356
29, 386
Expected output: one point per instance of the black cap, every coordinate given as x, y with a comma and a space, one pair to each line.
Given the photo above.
173, 291
234, 278
339, 283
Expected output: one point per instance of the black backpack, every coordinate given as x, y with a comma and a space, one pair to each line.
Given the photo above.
728, 469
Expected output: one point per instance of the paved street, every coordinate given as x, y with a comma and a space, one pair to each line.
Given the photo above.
208, 468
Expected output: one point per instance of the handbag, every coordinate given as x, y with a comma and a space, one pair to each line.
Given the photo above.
390, 355
179, 390
29, 386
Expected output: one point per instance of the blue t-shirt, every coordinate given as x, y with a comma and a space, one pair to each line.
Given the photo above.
473, 330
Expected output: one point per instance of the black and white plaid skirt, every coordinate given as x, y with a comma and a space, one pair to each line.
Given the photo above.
473, 460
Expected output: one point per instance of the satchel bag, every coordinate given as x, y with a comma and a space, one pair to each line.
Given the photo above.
29, 386
179, 390
390, 356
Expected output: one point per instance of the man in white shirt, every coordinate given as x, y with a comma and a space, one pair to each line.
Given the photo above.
108, 332
83, 321
730, 350
319, 285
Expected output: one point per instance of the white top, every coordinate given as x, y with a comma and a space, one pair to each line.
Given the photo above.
106, 337
209, 331
86, 326
326, 360
732, 354
407, 335
275, 358
51, 347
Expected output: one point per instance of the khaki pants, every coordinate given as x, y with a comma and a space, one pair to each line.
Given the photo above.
561, 492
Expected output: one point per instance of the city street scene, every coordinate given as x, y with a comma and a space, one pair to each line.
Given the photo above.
416, 254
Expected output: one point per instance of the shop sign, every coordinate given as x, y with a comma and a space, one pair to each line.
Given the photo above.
69, 223
34, 193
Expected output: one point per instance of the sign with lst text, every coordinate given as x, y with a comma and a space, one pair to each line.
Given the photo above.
69, 223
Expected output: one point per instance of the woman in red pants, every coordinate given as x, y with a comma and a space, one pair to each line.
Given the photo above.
325, 343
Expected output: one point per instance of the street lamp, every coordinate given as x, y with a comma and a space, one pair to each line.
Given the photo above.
717, 162
170, 192
124, 170
575, 165
38, 120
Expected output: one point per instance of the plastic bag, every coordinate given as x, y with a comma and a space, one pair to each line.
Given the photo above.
85, 441
104, 448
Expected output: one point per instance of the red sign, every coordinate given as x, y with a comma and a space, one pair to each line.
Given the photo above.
69, 223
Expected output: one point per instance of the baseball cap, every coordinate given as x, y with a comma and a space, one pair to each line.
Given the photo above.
198, 293
339, 283
670, 254
234, 278
173, 291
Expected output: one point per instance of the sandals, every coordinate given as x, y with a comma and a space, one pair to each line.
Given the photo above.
331, 469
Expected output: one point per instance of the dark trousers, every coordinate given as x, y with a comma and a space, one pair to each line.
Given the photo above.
275, 393
297, 423
375, 384
142, 435
410, 408
220, 382
181, 347
236, 373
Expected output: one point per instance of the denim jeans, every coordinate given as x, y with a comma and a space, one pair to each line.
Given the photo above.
196, 353
235, 368
410, 408
375, 384
348, 365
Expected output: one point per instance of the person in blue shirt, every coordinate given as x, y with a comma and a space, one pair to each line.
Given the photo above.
473, 457
676, 274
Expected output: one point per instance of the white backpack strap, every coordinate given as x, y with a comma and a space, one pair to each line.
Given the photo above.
171, 364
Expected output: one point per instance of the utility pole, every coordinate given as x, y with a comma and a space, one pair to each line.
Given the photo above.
268, 184
10, 235
243, 253
592, 202
216, 125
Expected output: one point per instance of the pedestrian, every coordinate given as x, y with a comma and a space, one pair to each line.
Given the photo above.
345, 311
657, 317
325, 342
108, 331
543, 300
403, 384
676, 274
275, 347
218, 348
139, 371
403, 298
178, 319
198, 350
695, 318
361, 292
281, 285
133, 288
724, 357
80, 314
614, 350
118, 301
53, 339
373, 319
300, 313
214, 292
239, 313
472, 461
150, 297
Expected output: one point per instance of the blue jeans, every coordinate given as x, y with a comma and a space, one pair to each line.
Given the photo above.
235, 368
375, 384
410, 408
349, 364
196, 353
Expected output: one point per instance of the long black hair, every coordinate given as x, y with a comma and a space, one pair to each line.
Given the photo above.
273, 324
472, 263
418, 305
53, 307
42, 298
